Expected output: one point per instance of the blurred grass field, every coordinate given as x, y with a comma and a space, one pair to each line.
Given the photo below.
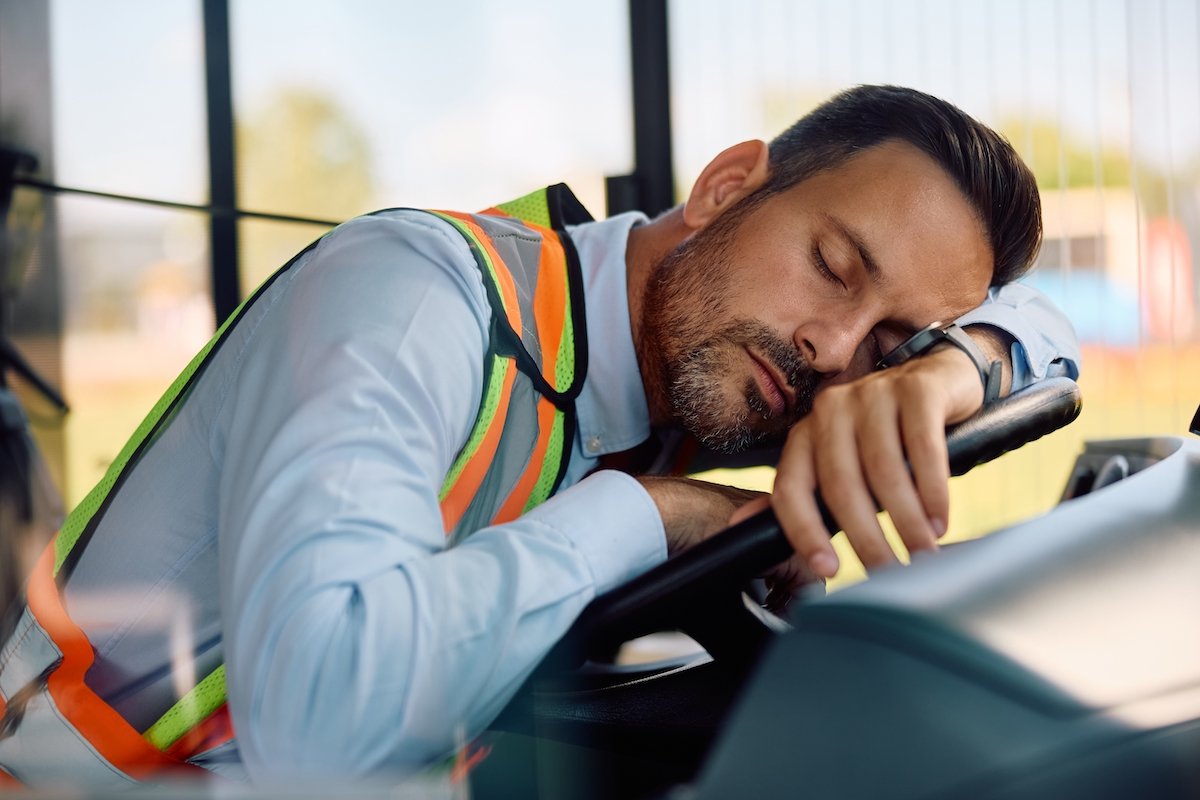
1153, 390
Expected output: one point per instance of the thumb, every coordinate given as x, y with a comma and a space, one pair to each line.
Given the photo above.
748, 510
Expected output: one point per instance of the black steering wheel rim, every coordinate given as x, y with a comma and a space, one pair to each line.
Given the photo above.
699, 591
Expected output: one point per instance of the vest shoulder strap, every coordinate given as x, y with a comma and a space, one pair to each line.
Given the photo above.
538, 327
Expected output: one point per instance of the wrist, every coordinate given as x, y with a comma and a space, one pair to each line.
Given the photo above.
940, 335
960, 377
692, 510
996, 344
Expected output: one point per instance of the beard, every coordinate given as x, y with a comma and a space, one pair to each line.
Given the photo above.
693, 349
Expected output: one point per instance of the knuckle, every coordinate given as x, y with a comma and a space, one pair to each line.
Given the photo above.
913, 530
873, 551
802, 538
835, 493
883, 467
830, 400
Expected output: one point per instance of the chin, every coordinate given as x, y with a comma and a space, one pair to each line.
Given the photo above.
732, 435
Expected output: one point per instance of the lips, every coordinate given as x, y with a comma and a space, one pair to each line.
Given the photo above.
775, 389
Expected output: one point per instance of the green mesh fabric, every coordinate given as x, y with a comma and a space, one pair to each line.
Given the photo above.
564, 365
550, 464
564, 375
192, 709
483, 421
530, 208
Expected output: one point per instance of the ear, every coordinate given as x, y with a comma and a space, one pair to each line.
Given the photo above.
729, 177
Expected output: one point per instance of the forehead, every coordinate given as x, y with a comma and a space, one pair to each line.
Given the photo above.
903, 211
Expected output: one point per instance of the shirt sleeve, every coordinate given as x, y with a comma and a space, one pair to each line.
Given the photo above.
1044, 339
356, 641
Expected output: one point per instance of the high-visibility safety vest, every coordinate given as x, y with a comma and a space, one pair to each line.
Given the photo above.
54, 727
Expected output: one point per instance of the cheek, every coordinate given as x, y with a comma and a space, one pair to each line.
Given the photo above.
781, 305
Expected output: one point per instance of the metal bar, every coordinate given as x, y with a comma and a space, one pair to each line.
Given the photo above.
651, 185
218, 211
226, 293
648, 35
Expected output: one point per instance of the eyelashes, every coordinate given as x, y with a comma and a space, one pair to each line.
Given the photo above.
823, 266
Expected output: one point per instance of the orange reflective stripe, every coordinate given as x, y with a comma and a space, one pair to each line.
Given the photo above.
214, 730
7, 781
549, 314
508, 289
550, 303
549, 297
456, 501
514, 504
106, 731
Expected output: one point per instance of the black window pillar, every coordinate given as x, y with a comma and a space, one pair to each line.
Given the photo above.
651, 186
221, 159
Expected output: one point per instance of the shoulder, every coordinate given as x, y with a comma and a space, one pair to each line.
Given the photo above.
398, 251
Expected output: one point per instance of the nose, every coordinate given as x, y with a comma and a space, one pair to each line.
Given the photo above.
832, 346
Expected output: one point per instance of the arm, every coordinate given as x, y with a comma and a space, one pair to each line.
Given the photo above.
1020, 326
858, 441
355, 641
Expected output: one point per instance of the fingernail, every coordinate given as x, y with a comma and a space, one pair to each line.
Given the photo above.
939, 527
824, 564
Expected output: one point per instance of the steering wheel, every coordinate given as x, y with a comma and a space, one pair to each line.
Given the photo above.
699, 591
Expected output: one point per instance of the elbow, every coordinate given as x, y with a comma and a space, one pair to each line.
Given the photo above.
325, 693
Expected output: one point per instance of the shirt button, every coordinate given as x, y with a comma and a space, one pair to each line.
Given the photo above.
592, 445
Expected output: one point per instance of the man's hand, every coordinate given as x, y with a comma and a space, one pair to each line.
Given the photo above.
693, 510
854, 446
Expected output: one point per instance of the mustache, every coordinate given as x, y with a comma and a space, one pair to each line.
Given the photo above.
786, 358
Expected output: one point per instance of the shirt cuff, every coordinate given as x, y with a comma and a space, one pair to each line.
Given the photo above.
610, 519
1039, 342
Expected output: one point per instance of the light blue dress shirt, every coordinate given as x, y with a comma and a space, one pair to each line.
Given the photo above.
356, 642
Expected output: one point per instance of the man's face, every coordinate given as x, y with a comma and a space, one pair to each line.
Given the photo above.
754, 314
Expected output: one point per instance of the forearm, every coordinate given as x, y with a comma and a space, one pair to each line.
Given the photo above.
1040, 339
996, 345
396, 651
690, 509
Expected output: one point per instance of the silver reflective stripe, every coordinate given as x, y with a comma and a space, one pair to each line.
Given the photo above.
520, 248
44, 748
517, 440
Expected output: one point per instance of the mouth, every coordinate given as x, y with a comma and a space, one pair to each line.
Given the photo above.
779, 395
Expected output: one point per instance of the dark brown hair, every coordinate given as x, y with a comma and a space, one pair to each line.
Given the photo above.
999, 186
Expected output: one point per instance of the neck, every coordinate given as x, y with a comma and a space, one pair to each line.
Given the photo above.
648, 245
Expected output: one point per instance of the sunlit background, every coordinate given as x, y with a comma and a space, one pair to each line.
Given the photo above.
345, 106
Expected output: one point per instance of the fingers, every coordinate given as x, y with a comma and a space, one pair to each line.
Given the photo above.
857, 445
786, 579
925, 442
745, 512
843, 478
904, 459
795, 504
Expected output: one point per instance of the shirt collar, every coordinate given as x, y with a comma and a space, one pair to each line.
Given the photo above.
611, 409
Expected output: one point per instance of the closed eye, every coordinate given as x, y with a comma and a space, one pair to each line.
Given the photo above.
823, 267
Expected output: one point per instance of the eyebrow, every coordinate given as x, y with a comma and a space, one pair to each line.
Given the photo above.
872, 267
